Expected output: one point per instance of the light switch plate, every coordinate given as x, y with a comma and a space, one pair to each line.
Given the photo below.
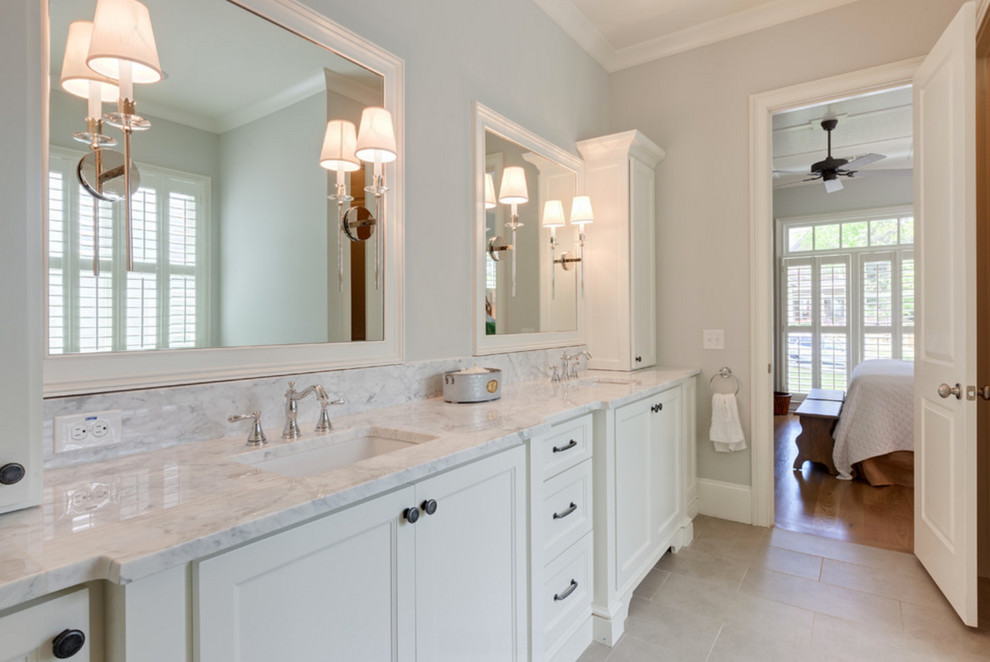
713, 339
87, 430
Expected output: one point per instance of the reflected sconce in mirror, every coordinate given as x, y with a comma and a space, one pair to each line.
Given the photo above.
122, 48
581, 215
376, 144
513, 192
339, 145
490, 201
79, 80
553, 218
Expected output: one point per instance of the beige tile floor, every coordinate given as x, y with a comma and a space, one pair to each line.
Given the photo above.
746, 593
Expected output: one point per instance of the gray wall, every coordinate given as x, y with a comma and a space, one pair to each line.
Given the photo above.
695, 105
872, 193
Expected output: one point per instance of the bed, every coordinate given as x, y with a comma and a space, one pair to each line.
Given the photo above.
875, 433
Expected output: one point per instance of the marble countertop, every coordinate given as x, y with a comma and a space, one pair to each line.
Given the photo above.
129, 517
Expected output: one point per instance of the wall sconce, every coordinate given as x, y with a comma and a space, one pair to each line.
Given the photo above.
123, 48
490, 202
553, 218
79, 80
513, 191
581, 215
376, 144
339, 144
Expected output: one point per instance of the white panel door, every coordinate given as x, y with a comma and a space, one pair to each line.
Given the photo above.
643, 280
945, 214
471, 576
27, 635
633, 487
336, 588
667, 493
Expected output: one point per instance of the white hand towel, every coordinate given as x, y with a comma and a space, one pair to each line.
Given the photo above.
726, 431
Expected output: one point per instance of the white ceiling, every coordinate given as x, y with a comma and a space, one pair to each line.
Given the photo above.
225, 66
879, 123
624, 33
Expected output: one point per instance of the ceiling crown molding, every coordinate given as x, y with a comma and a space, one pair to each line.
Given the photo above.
577, 25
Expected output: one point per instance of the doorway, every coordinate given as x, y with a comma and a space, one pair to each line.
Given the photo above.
843, 272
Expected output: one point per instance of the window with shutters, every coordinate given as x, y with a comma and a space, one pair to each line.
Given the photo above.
94, 303
846, 294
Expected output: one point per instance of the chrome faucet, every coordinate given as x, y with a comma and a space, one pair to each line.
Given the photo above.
257, 436
292, 396
569, 364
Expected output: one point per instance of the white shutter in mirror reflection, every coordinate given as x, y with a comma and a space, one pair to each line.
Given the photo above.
161, 300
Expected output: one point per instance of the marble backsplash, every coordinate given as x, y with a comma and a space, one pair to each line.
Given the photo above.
160, 417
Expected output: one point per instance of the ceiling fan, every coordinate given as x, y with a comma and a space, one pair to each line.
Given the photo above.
830, 169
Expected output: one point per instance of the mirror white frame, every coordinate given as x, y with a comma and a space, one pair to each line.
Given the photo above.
485, 119
114, 371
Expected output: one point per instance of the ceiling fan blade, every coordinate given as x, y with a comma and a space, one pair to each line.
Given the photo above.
833, 185
791, 171
862, 160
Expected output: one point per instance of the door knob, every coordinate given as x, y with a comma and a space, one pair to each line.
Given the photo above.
944, 391
983, 392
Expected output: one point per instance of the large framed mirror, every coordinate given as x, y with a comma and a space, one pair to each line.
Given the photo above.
241, 266
528, 288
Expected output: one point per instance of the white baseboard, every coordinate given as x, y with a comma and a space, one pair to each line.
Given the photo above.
729, 501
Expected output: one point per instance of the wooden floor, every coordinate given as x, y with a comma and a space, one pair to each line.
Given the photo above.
812, 501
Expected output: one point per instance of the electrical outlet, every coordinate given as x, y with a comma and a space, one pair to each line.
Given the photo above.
89, 430
713, 339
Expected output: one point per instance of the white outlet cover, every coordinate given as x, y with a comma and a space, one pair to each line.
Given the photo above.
713, 339
102, 428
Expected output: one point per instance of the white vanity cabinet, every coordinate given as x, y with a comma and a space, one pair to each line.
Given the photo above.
620, 278
35, 633
561, 549
369, 583
642, 490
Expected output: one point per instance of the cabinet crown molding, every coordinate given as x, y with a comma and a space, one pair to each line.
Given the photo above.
625, 143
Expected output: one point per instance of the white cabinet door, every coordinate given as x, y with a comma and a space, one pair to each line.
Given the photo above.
337, 588
633, 509
665, 456
643, 283
27, 635
471, 563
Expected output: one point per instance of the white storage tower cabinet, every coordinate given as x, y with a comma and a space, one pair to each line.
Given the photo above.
620, 277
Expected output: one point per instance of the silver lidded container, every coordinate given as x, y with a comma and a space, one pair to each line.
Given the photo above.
472, 385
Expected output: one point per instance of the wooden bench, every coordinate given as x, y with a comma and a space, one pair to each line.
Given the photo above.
818, 415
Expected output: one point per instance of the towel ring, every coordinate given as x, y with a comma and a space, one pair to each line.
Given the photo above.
725, 372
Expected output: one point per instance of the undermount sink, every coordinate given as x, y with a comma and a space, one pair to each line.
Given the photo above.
306, 457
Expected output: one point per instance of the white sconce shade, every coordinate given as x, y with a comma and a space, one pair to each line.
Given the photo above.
513, 188
76, 76
490, 202
122, 34
581, 211
339, 144
553, 214
376, 137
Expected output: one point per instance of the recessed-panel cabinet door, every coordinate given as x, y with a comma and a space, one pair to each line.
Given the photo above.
29, 635
665, 430
633, 480
471, 563
332, 589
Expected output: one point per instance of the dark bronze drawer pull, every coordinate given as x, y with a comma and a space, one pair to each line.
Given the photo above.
567, 593
564, 513
561, 449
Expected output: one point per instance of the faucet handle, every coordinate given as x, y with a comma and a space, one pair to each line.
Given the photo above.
324, 424
257, 435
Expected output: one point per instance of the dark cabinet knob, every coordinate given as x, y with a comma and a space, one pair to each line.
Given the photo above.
67, 643
657, 407
639, 359
411, 514
11, 473
429, 506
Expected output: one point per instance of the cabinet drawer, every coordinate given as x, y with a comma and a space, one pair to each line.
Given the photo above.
566, 445
567, 592
33, 632
566, 509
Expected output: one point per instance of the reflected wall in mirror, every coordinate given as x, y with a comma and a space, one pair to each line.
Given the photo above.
525, 297
235, 240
